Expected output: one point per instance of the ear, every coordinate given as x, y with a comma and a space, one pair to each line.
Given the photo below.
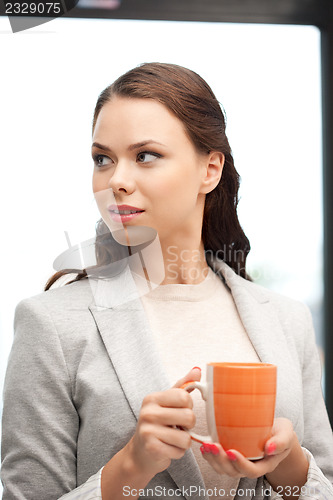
213, 167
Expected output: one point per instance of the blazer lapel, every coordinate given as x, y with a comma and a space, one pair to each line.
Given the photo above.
125, 332
122, 323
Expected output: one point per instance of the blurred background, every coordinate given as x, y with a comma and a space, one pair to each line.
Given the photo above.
267, 72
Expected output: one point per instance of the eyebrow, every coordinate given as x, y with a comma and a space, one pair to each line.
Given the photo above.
131, 147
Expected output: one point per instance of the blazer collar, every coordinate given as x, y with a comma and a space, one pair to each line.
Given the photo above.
122, 323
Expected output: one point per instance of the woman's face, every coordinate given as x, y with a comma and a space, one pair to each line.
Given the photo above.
146, 170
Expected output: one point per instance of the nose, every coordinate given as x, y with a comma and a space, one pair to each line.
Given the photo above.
122, 178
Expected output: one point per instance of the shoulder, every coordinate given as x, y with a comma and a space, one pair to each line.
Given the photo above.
284, 305
288, 310
279, 316
58, 306
280, 301
65, 295
291, 313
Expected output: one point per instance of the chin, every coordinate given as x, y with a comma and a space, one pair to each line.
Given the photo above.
134, 235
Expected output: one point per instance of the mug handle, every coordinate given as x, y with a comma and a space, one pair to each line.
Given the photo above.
203, 389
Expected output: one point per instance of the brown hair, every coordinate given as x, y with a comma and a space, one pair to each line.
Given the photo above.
191, 100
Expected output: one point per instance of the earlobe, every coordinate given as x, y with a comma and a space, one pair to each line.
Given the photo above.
213, 171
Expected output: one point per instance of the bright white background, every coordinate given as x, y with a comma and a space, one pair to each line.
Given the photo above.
266, 77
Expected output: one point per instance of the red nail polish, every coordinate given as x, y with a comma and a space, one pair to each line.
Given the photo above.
206, 447
231, 455
202, 449
214, 449
197, 367
271, 448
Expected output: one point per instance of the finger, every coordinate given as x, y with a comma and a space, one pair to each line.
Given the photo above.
155, 414
220, 462
161, 450
173, 437
194, 374
171, 451
249, 468
282, 438
171, 398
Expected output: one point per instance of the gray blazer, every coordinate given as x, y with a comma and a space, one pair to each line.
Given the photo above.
83, 359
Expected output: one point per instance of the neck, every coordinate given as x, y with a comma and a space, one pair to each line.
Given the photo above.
184, 265
166, 263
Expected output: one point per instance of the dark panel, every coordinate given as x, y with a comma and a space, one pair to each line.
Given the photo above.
327, 100
310, 12
237, 11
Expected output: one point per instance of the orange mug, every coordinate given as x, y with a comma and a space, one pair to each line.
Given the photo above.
240, 406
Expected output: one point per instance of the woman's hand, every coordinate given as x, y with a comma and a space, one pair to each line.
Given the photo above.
233, 463
157, 440
284, 464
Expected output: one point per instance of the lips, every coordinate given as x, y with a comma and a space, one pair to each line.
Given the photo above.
124, 213
124, 209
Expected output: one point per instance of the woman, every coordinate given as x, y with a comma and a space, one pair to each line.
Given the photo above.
88, 408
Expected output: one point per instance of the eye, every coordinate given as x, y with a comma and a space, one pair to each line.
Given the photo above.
147, 156
100, 160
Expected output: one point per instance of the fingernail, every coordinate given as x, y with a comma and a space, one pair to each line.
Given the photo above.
206, 447
271, 448
214, 449
202, 449
196, 367
231, 455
